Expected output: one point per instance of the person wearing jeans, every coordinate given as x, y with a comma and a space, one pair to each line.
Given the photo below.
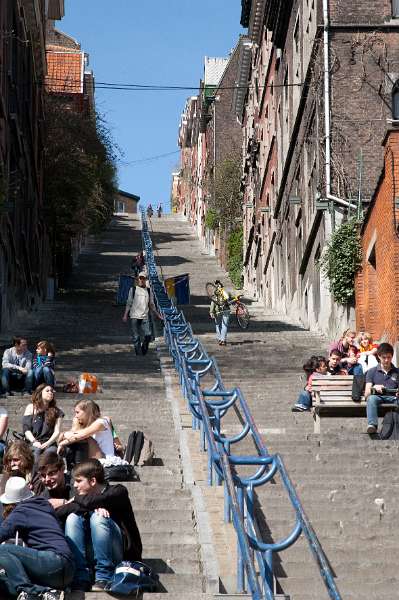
381, 383
45, 567
104, 550
138, 306
100, 527
17, 370
219, 310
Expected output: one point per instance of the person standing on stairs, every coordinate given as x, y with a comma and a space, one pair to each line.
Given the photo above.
219, 310
138, 306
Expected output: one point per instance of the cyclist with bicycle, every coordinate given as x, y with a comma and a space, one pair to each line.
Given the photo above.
220, 311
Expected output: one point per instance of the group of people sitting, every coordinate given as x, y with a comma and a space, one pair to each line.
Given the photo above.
374, 373
75, 535
23, 371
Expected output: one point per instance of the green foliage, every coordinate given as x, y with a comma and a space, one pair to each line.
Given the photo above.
227, 197
212, 219
235, 257
342, 259
80, 175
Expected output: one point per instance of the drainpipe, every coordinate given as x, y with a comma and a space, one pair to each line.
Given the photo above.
327, 123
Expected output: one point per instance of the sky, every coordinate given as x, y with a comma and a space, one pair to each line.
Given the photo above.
160, 42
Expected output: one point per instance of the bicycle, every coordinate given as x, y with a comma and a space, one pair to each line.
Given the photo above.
215, 293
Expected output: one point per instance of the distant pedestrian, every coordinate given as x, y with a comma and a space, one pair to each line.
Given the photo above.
138, 306
220, 311
159, 210
150, 212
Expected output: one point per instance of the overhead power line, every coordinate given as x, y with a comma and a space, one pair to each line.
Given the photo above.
149, 158
138, 87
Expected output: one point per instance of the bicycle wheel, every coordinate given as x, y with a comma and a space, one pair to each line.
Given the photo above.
210, 290
242, 315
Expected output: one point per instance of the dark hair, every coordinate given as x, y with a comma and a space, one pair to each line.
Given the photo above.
384, 348
50, 459
218, 282
336, 353
320, 361
16, 340
89, 469
310, 365
38, 405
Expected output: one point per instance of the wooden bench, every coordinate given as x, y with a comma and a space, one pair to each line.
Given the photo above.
333, 398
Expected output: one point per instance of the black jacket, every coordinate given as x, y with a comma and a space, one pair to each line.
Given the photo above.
115, 499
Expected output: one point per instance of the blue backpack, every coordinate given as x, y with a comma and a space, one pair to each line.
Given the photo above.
132, 578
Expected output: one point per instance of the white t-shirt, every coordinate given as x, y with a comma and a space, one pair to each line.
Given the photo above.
105, 438
3, 412
140, 305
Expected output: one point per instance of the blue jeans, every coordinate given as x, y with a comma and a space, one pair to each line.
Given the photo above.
15, 380
305, 398
43, 375
95, 540
372, 406
33, 571
355, 370
140, 330
222, 322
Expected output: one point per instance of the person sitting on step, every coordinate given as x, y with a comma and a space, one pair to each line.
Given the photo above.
17, 373
315, 366
18, 460
349, 363
42, 420
43, 568
105, 513
52, 481
43, 363
91, 435
382, 383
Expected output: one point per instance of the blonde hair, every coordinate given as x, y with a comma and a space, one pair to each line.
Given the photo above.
91, 410
365, 334
347, 332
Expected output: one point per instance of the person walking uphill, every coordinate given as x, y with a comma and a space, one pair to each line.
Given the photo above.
138, 306
43, 568
220, 311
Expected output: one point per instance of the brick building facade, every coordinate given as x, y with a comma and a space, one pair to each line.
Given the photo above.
377, 284
311, 143
24, 250
208, 134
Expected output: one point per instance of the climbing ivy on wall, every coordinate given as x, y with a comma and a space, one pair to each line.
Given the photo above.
342, 259
235, 257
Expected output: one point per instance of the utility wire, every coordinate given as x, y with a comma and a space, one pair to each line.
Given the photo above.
149, 158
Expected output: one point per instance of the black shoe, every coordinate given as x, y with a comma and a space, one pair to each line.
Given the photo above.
99, 586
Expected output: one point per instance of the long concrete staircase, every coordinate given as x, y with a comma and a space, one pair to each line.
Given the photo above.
87, 329
339, 475
347, 482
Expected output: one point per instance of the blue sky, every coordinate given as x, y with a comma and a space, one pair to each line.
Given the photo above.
153, 42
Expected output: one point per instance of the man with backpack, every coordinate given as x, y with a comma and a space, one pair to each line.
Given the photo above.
138, 306
99, 522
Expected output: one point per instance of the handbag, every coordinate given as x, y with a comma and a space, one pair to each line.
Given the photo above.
132, 578
120, 473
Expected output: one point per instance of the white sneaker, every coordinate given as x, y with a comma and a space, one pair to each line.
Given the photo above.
371, 429
52, 595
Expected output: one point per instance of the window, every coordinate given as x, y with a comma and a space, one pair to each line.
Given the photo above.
395, 98
395, 9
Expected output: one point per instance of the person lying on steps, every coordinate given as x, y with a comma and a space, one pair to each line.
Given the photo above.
105, 513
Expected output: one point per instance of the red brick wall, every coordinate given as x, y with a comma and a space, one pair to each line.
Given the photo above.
377, 289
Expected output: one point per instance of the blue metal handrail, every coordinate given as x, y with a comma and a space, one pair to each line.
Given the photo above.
209, 403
